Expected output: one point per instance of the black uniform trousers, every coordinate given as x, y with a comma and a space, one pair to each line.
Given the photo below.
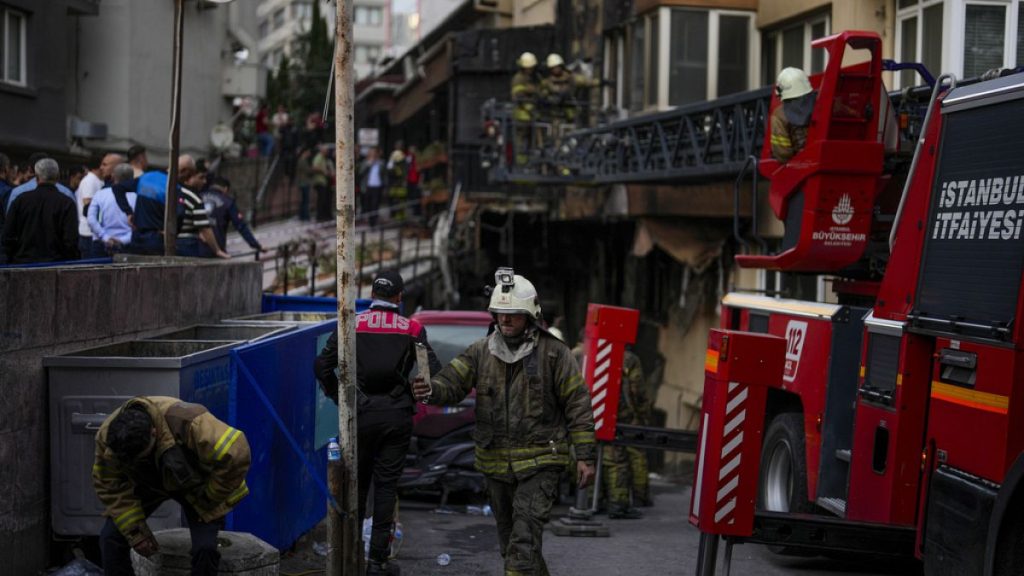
383, 439
116, 552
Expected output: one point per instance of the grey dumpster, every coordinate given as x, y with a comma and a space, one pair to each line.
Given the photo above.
240, 332
87, 385
283, 318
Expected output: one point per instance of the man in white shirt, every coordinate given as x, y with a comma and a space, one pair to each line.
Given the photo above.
109, 225
87, 188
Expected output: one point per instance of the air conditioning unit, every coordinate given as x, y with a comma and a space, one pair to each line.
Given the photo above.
87, 130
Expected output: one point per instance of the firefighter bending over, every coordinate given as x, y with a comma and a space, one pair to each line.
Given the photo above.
531, 407
157, 448
790, 120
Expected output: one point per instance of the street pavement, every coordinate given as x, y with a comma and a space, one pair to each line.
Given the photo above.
661, 544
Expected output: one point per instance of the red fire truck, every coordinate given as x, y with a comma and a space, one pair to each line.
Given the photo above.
891, 421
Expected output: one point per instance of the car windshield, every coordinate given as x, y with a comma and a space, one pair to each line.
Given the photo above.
449, 341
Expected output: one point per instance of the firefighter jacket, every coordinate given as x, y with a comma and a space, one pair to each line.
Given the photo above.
385, 355
524, 94
528, 411
196, 459
786, 139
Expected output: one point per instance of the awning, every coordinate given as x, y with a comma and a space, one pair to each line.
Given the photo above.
689, 242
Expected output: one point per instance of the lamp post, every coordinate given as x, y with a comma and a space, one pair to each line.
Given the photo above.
171, 202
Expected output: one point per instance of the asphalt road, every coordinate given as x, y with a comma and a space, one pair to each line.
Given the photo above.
662, 543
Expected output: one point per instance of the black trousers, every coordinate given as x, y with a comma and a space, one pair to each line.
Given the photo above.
383, 442
205, 558
371, 203
324, 203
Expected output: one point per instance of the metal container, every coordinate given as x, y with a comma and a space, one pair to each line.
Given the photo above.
240, 332
87, 385
281, 317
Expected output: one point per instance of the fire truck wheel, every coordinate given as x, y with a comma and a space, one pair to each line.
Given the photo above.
783, 485
783, 481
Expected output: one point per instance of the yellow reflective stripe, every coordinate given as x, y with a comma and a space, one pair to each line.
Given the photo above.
131, 516
223, 439
461, 368
585, 437
570, 384
224, 449
781, 140
239, 493
101, 470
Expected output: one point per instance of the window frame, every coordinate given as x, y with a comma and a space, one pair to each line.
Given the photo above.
775, 37
5, 21
917, 11
714, 28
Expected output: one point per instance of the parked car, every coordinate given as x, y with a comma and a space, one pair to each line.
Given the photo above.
440, 457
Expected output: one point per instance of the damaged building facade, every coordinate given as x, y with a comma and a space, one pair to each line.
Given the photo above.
664, 246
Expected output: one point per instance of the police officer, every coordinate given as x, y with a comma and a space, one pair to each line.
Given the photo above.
531, 406
790, 120
155, 448
525, 90
385, 353
222, 210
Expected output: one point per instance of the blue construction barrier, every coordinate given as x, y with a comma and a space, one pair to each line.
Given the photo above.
275, 400
281, 303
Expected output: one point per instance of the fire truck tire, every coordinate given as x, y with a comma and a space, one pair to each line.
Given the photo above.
783, 481
1009, 553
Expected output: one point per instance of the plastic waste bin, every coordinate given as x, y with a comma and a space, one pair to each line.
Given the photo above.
87, 385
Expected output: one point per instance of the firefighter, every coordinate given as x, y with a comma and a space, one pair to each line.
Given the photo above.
525, 90
558, 90
156, 448
532, 406
625, 468
790, 120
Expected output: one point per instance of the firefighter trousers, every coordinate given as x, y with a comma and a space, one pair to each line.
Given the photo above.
624, 469
116, 552
521, 508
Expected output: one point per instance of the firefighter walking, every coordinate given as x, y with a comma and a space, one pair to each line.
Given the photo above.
157, 448
532, 405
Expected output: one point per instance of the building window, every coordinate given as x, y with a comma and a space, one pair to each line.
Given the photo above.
636, 65
790, 45
366, 54
984, 34
12, 47
919, 35
264, 29
369, 15
278, 18
709, 54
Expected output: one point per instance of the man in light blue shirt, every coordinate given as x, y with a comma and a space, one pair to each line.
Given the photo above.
109, 224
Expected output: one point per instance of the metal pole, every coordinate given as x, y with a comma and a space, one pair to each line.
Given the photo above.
707, 554
346, 559
597, 478
171, 203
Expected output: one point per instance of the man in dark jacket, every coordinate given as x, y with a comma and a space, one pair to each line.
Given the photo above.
42, 224
385, 353
222, 210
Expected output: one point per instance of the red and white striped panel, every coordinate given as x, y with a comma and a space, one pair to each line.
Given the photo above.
602, 374
732, 439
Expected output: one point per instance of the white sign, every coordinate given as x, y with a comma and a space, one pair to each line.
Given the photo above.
796, 335
369, 137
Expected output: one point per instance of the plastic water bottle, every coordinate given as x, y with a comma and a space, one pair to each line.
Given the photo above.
444, 560
367, 531
333, 450
487, 510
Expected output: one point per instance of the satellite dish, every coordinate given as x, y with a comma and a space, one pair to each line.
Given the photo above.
222, 136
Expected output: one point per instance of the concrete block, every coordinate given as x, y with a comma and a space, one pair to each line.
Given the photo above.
8, 459
242, 554
23, 381
83, 307
24, 543
29, 297
32, 463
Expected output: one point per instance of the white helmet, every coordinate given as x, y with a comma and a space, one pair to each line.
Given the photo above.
792, 83
554, 60
513, 294
527, 60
